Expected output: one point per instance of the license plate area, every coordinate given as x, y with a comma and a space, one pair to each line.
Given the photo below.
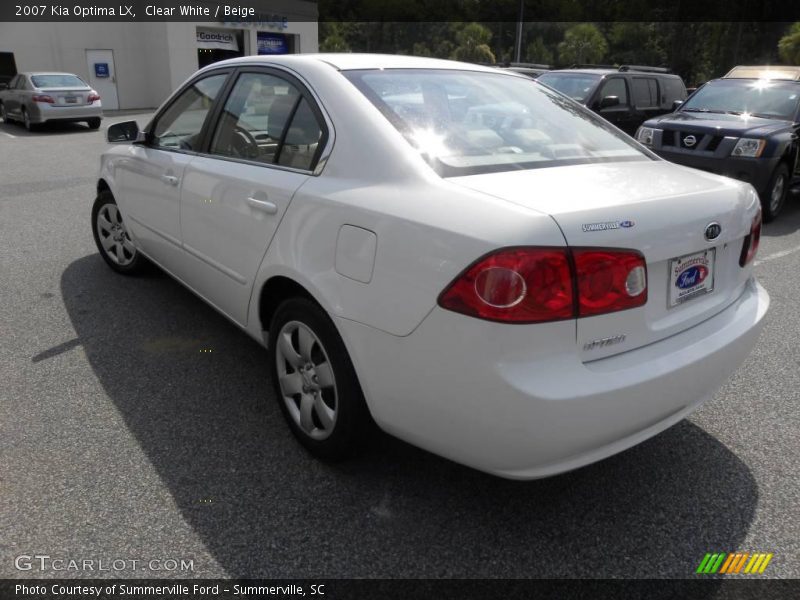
70, 99
691, 276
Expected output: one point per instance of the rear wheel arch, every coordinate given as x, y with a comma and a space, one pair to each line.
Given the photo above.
275, 291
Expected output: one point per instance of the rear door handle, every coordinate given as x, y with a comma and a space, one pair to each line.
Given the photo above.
170, 179
263, 205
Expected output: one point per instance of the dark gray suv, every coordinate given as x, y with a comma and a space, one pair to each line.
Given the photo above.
625, 96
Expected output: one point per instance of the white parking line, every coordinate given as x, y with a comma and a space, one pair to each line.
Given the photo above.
775, 255
9, 135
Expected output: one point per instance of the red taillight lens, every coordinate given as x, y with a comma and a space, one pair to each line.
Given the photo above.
609, 280
93, 98
43, 98
535, 285
751, 241
515, 285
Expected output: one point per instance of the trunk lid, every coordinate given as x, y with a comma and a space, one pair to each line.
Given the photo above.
655, 207
68, 96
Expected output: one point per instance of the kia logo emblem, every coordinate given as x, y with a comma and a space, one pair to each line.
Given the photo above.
689, 141
712, 231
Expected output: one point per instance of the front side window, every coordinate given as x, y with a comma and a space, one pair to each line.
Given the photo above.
267, 120
747, 98
615, 86
180, 125
465, 122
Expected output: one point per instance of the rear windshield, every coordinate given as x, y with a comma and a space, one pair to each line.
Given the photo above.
465, 122
578, 86
53, 81
748, 97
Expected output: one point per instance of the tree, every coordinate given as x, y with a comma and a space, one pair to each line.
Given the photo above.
789, 46
582, 43
333, 37
473, 44
538, 52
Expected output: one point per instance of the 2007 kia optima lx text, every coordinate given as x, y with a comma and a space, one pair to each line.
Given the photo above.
477, 263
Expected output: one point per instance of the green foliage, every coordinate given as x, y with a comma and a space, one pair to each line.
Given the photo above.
538, 52
583, 43
789, 46
473, 44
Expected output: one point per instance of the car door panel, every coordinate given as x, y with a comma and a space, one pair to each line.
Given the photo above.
234, 198
150, 201
229, 214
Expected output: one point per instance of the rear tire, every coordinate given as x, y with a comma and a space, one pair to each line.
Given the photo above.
774, 196
26, 120
112, 237
3, 114
315, 383
93, 123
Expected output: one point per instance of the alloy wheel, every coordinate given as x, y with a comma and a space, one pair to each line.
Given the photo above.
306, 380
114, 237
776, 197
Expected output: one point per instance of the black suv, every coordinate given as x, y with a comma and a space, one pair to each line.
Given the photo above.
743, 128
625, 96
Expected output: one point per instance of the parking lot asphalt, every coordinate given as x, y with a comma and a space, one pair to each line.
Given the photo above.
120, 440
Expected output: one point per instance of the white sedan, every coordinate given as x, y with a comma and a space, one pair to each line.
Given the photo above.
466, 258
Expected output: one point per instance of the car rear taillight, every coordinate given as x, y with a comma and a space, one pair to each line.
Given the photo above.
43, 98
609, 280
751, 241
536, 284
93, 98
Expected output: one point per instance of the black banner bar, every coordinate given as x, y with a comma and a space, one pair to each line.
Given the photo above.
408, 10
405, 589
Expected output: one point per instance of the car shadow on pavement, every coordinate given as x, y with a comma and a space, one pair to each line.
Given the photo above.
195, 392
17, 130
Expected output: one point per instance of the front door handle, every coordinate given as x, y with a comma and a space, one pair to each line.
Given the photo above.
170, 179
263, 205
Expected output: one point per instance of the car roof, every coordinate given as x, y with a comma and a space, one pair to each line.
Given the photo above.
353, 61
787, 72
609, 71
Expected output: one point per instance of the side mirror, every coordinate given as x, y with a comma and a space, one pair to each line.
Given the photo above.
608, 102
676, 104
125, 132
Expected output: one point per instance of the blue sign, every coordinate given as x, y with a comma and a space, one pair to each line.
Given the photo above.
272, 43
101, 70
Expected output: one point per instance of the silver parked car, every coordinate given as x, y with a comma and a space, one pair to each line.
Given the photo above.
36, 98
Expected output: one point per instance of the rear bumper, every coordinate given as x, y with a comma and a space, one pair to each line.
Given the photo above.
41, 112
516, 401
755, 171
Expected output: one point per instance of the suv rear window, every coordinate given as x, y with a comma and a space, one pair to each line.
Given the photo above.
469, 122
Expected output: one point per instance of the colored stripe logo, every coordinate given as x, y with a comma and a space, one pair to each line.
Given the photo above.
734, 563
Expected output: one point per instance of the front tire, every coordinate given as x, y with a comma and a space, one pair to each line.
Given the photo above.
112, 238
315, 382
774, 197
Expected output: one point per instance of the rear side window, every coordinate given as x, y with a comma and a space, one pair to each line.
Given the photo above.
645, 92
267, 120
